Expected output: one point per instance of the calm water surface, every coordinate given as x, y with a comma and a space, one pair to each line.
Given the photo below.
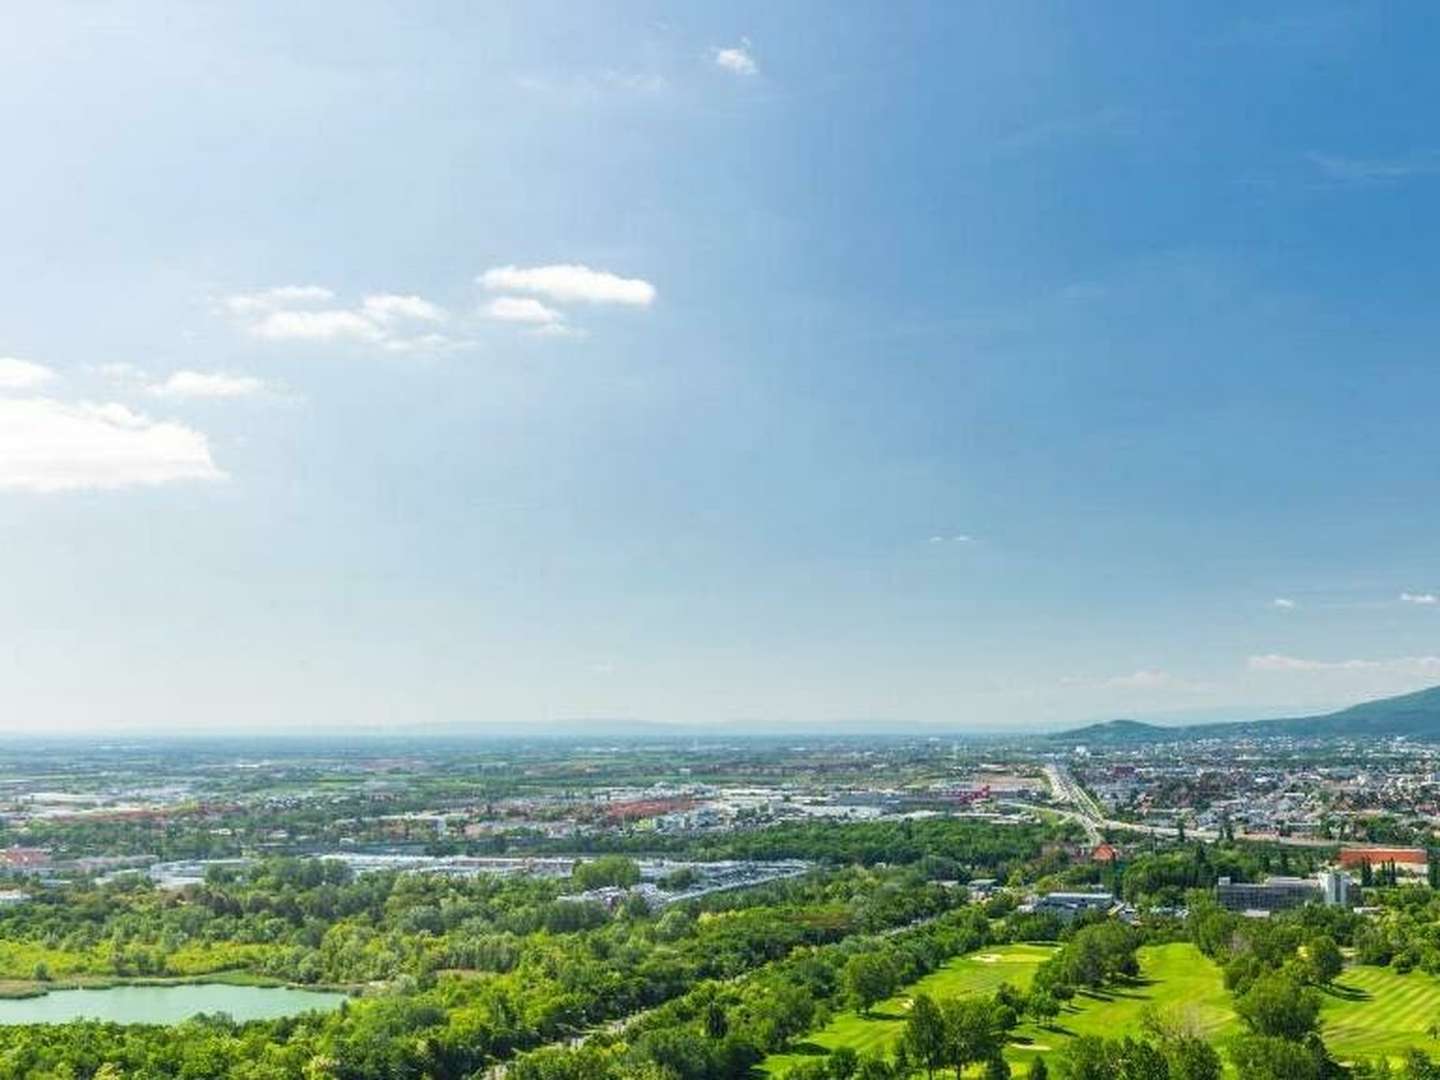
164, 1004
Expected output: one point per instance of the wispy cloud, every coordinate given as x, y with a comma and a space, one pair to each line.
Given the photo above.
211, 384
522, 309
1284, 603
584, 87
1104, 123
387, 308
306, 313
957, 538
1419, 599
315, 326
54, 446
16, 374
281, 296
737, 59
570, 283
1418, 665
1348, 170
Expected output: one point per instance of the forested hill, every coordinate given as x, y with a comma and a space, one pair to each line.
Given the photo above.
1414, 715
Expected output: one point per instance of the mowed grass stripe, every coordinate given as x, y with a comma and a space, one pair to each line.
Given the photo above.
1379, 1011
1372, 1011
979, 972
1176, 979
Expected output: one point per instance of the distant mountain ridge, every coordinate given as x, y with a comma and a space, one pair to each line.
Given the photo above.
1415, 715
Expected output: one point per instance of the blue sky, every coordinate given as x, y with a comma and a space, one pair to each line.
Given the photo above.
373, 365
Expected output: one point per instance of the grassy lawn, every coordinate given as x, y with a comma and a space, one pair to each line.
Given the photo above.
1176, 979
1372, 1011
982, 971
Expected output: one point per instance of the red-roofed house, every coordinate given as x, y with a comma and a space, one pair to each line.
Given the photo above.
1409, 859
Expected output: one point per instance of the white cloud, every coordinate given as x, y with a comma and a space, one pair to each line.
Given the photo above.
281, 296
49, 446
307, 313
737, 59
325, 325
1421, 599
202, 384
422, 343
1418, 665
522, 309
570, 283
387, 308
16, 374
1282, 602
559, 330
958, 538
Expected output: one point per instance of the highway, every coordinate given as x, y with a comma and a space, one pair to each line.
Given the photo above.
1066, 789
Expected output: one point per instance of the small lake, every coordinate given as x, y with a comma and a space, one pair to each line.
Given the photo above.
165, 1004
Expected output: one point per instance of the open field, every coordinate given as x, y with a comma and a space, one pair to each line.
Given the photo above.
976, 972
1175, 979
1372, 1011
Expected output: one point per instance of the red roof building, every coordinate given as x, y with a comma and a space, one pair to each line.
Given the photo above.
24, 856
1352, 858
1104, 853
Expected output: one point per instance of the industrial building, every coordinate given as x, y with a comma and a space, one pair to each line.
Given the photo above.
1331, 887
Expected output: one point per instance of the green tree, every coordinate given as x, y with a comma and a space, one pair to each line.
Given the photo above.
925, 1034
875, 1067
868, 978
1038, 1070
786, 1013
1418, 1066
974, 1030
1042, 1006
1324, 958
843, 1063
717, 1023
1259, 1057
1192, 1058
1279, 1007
607, 870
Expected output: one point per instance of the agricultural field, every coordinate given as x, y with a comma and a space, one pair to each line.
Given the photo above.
1175, 979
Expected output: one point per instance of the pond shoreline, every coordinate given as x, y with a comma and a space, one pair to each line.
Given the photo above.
23, 989
163, 1002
